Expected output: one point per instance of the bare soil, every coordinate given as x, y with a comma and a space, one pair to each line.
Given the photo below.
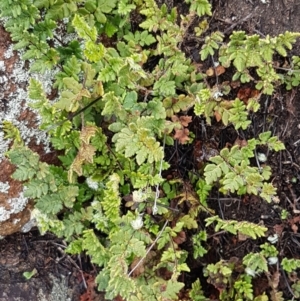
280, 114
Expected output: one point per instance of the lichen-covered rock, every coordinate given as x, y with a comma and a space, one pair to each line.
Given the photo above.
14, 207
15, 108
14, 76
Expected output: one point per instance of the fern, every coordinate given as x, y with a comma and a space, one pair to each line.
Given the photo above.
196, 293
256, 262
232, 168
211, 44
70, 98
94, 248
243, 288
203, 190
201, 7
141, 38
199, 250
234, 227
140, 142
111, 202
251, 51
290, 264
292, 79
110, 122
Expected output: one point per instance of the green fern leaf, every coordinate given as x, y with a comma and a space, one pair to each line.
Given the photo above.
61, 9
106, 6
93, 247
250, 229
124, 8
256, 262
189, 222
268, 192
113, 106
171, 291
83, 29
73, 225
212, 173
140, 142
36, 91
23, 173
290, 264
94, 52
201, 7
232, 182
49, 204
175, 105
164, 87
111, 201
156, 109
35, 189
203, 190
69, 100
196, 293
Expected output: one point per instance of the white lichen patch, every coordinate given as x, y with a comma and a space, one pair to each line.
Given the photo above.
16, 220
29, 225
2, 66
46, 79
4, 214
4, 187
9, 52
16, 205
3, 144
92, 184
59, 291
18, 101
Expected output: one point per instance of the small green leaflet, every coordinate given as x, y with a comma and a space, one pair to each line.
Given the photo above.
29, 275
83, 29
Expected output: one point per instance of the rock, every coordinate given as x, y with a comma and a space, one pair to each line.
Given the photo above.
14, 207
14, 107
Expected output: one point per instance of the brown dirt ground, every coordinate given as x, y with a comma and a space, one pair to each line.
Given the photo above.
280, 114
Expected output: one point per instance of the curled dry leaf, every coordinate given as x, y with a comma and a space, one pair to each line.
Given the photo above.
278, 228
185, 120
235, 84
240, 142
294, 228
175, 118
245, 94
182, 135
210, 72
138, 270
275, 280
218, 116
293, 223
243, 237
215, 71
180, 238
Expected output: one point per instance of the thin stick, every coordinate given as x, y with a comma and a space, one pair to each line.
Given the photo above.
73, 115
149, 249
154, 208
74, 263
230, 28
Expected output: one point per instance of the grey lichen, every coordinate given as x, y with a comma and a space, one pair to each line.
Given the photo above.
59, 291
4, 187
16, 205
